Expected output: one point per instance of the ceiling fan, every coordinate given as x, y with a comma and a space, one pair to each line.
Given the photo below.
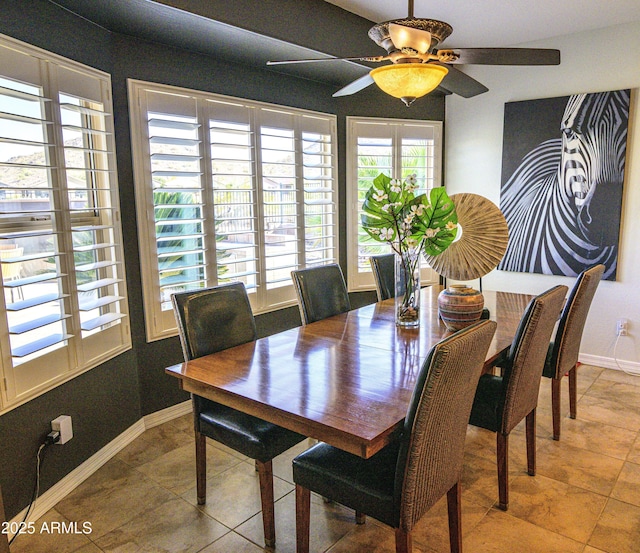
418, 66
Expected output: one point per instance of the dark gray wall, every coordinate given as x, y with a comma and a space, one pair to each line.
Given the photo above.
108, 399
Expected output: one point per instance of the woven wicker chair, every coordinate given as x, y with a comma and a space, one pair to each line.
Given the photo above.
501, 402
321, 292
563, 352
383, 269
400, 483
212, 320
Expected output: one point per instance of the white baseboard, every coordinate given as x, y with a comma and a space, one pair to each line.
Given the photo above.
610, 363
71, 481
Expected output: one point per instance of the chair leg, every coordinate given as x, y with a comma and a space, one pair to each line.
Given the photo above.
361, 518
403, 541
573, 391
454, 508
502, 451
265, 473
531, 442
303, 517
556, 406
201, 468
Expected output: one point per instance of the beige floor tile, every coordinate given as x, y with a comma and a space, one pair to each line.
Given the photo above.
174, 527
111, 497
153, 443
620, 376
329, 522
567, 510
596, 436
624, 392
232, 543
233, 496
282, 467
618, 530
184, 423
609, 411
176, 469
370, 537
627, 487
634, 452
479, 480
500, 532
590, 549
432, 530
578, 467
46, 539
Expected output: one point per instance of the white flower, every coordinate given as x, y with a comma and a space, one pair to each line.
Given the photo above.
412, 242
409, 218
431, 232
386, 207
396, 186
386, 233
417, 209
412, 179
380, 196
450, 225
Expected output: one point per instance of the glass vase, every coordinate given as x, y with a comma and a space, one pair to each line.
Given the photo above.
407, 288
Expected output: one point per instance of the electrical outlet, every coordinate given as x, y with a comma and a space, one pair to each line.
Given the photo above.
63, 425
621, 327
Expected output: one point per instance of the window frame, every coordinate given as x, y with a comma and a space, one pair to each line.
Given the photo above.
395, 130
80, 197
279, 291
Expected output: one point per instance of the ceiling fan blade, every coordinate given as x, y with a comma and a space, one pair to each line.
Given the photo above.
461, 84
370, 59
505, 56
355, 86
407, 37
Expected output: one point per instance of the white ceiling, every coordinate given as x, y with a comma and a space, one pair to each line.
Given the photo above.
499, 23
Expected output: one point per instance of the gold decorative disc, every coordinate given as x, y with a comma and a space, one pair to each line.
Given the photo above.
482, 244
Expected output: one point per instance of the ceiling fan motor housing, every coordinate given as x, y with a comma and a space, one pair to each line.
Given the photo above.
439, 30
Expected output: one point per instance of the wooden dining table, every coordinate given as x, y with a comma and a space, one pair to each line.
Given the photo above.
346, 380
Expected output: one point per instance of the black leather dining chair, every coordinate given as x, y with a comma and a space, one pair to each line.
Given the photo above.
211, 320
383, 269
400, 483
501, 402
563, 352
321, 292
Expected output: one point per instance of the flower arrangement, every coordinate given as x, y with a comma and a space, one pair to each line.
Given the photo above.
394, 214
411, 225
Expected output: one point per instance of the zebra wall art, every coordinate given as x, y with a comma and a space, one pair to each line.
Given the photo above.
562, 181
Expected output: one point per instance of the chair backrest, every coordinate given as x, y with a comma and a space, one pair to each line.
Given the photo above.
213, 319
566, 345
527, 355
432, 444
383, 268
321, 292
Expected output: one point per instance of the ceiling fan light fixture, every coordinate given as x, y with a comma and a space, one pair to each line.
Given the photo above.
409, 81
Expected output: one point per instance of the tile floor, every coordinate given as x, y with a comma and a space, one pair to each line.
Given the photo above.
584, 499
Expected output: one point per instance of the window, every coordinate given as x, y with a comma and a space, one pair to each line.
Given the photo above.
397, 148
64, 294
228, 190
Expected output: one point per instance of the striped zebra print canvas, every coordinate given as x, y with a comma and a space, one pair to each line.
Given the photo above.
562, 182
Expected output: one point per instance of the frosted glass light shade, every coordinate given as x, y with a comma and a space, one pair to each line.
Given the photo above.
409, 80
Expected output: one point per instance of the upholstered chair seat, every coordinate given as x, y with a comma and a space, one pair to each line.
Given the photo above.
400, 483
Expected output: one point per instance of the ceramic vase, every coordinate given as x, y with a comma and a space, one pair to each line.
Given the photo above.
459, 306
